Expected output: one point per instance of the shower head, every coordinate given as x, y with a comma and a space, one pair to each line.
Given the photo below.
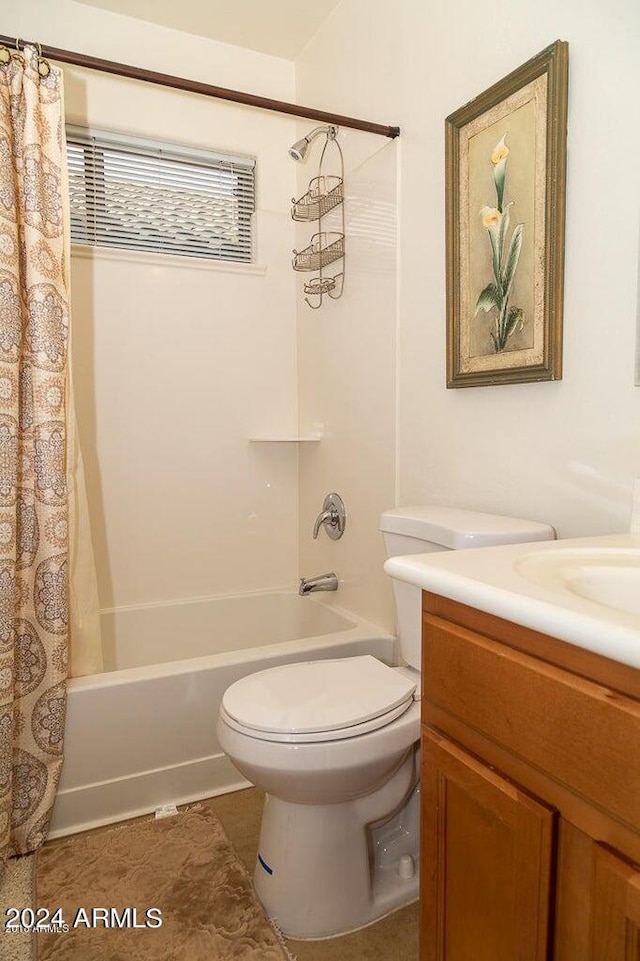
299, 149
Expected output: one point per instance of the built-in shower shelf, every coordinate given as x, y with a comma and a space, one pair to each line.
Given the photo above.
324, 193
287, 438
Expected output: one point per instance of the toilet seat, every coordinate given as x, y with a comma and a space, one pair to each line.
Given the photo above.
338, 734
318, 700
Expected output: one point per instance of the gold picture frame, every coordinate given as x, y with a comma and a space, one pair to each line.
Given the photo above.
505, 214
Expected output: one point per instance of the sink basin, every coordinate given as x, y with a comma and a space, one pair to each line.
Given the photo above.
617, 587
607, 576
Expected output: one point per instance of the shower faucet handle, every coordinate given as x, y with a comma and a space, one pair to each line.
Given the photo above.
333, 517
326, 517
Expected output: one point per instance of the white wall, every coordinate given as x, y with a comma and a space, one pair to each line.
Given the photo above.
561, 452
346, 360
176, 364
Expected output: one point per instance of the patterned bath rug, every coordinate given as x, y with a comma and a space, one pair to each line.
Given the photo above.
16, 893
152, 890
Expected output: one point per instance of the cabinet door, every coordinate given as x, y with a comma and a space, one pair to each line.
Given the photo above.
487, 851
598, 902
615, 929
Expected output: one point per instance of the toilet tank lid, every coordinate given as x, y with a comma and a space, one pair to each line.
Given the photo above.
456, 529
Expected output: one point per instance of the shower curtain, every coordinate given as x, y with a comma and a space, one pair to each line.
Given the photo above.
35, 443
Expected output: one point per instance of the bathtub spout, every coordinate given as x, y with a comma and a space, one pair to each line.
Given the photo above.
321, 582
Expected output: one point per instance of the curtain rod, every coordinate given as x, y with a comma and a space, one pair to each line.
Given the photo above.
206, 89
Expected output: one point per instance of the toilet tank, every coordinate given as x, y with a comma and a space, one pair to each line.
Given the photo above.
423, 530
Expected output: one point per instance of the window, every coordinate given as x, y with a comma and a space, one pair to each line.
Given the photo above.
162, 198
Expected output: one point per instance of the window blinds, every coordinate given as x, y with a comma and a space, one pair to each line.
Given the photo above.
143, 195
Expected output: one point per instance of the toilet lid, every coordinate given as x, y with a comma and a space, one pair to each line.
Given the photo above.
317, 696
340, 734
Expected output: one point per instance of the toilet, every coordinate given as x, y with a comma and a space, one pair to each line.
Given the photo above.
335, 746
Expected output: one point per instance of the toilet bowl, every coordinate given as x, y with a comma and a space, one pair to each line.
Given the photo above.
335, 746
341, 756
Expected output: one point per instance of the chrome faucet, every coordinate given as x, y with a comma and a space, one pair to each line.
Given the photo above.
325, 517
332, 516
321, 582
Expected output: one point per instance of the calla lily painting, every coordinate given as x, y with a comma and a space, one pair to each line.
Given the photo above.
505, 210
505, 247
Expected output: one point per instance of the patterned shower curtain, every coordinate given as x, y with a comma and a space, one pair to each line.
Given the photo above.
34, 329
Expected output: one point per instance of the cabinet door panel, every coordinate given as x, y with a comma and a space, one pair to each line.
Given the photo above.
615, 920
598, 910
487, 850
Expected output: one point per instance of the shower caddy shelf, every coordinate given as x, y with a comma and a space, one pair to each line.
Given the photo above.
320, 198
325, 248
325, 193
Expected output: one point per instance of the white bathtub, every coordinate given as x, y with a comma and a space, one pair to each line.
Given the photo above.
143, 733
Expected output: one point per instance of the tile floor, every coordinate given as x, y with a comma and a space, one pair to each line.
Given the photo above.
393, 937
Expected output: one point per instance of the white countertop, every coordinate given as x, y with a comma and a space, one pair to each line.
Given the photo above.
488, 579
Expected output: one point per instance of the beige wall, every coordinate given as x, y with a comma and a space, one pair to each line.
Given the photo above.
346, 358
177, 364
562, 452
371, 367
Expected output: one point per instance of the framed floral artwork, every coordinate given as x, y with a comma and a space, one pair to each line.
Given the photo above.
505, 212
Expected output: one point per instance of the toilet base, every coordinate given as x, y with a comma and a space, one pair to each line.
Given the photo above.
327, 869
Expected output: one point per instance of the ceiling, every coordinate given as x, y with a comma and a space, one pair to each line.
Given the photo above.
277, 27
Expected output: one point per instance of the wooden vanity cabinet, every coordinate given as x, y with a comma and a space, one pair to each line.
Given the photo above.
530, 795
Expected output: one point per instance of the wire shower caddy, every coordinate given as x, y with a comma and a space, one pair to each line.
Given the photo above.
327, 247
